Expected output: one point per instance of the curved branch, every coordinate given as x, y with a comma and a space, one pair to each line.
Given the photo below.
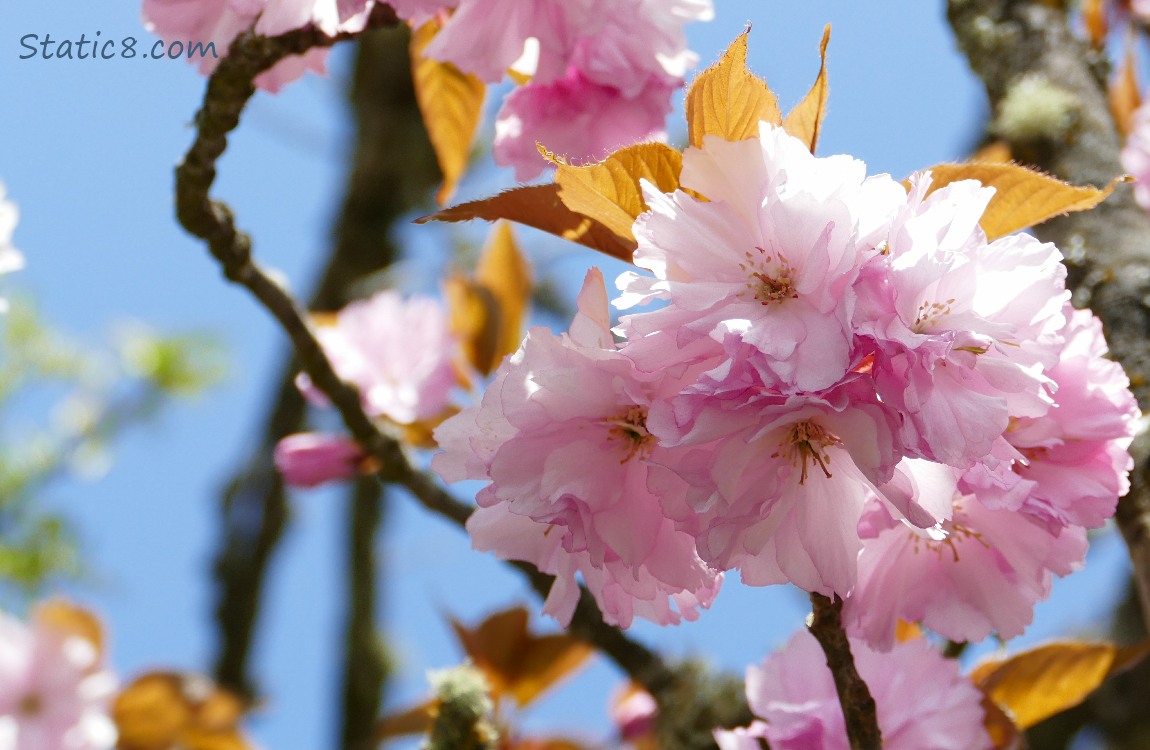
392, 170
229, 89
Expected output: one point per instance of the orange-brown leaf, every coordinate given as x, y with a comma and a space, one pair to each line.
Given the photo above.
1047, 680
993, 152
547, 660
1023, 197
1094, 19
539, 206
504, 272
495, 646
516, 662
1003, 734
151, 713
414, 720
805, 121
727, 100
74, 621
1124, 93
198, 738
451, 103
473, 317
609, 191
163, 710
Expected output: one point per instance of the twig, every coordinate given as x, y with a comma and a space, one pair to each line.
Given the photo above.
1109, 247
854, 696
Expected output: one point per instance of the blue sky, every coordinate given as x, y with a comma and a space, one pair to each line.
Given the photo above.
87, 150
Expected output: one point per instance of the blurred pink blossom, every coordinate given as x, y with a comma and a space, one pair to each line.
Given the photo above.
54, 691
922, 701
602, 71
398, 353
219, 22
310, 459
1136, 153
576, 118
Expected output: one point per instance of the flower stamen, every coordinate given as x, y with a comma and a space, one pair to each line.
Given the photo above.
630, 427
804, 443
930, 312
768, 285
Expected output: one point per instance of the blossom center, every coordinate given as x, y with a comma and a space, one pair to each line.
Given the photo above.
31, 704
806, 443
770, 276
948, 535
930, 312
630, 429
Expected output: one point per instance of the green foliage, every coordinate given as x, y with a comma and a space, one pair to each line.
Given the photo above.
63, 402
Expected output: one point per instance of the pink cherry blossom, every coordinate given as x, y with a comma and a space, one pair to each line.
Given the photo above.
626, 44
54, 692
922, 701
1076, 462
1136, 153
330, 16
576, 118
557, 406
963, 327
398, 352
310, 459
980, 572
768, 260
485, 37
622, 592
775, 486
638, 43
219, 22
602, 71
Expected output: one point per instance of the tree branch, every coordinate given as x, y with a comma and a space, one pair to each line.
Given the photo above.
1108, 248
854, 696
228, 91
393, 168
364, 663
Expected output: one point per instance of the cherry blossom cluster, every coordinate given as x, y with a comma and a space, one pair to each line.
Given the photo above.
601, 72
54, 690
839, 383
